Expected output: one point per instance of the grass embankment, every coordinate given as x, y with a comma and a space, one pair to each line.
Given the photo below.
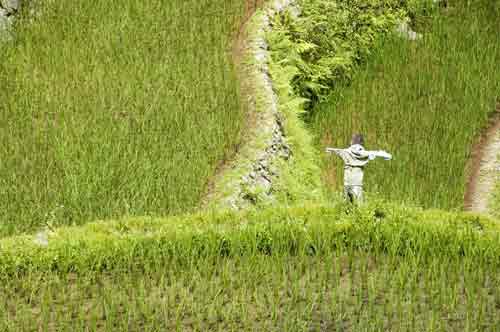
295, 179
111, 108
382, 267
495, 200
426, 102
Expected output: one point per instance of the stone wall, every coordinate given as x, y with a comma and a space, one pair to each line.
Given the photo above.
250, 178
8, 11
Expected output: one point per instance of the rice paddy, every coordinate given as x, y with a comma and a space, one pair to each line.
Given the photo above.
344, 291
113, 108
312, 268
424, 101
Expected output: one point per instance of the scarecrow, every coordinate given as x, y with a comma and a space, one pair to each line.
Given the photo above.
355, 159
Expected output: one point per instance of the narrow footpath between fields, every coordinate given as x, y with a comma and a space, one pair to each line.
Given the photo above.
238, 52
484, 168
263, 168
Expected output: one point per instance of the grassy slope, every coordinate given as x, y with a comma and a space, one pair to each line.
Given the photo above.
142, 242
298, 179
111, 108
425, 102
286, 269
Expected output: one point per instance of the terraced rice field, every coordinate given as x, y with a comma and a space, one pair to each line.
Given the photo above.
350, 291
112, 108
426, 102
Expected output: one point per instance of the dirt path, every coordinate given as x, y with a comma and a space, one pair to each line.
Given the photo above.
484, 168
239, 44
250, 175
238, 52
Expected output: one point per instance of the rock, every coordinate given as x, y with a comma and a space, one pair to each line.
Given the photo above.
255, 185
11, 6
42, 239
404, 30
281, 5
264, 163
264, 183
261, 53
294, 11
5, 24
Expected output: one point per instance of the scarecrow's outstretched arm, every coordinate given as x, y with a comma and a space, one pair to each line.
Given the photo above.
339, 152
333, 150
361, 153
382, 154
342, 153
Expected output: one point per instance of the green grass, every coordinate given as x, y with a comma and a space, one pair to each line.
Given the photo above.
378, 267
130, 243
111, 108
313, 268
425, 102
341, 291
298, 179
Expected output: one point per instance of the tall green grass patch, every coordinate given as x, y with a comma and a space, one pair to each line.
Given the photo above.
340, 291
146, 242
379, 267
111, 108
425, 101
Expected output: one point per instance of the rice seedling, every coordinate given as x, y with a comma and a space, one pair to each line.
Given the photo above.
425, 101
304, 268
112, 108
346, 290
